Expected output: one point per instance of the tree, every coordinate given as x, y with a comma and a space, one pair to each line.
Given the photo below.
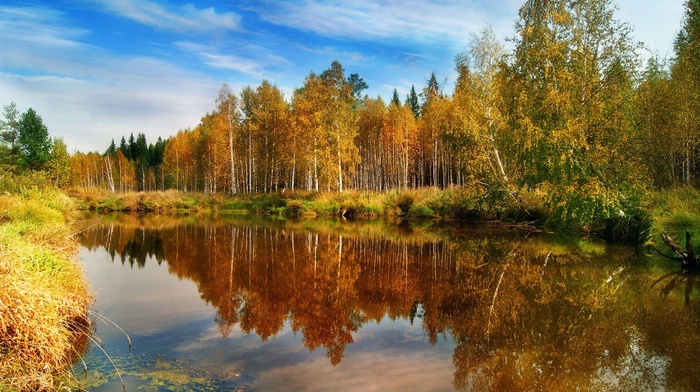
59, 166
9, 129
340, 125
413, 103
326, 127
33, 140
569, 65
395, 101
227, 104
566, 98
370, 171
657, 137
477, 99
399, 143
685, 73
112, 149
125, 148
358, 85
431, 90
270, 118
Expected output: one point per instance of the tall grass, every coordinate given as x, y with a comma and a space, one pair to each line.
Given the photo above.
44, 297
675, 213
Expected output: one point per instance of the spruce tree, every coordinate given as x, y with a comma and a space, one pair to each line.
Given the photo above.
412, 101
33, 140
395, 99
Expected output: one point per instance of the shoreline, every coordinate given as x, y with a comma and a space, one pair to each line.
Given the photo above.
453, 205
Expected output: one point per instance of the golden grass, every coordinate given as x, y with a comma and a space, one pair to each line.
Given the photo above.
169, 201
44, 297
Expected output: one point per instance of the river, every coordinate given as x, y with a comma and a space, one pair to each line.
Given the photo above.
258, 304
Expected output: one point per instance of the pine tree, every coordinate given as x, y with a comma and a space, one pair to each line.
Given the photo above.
358, 85
124, 148
112, 149
33, 140
395, 99
413, 103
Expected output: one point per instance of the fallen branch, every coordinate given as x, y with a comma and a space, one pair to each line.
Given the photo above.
685, 256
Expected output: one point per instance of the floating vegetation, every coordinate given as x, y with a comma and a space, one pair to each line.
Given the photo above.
158, 373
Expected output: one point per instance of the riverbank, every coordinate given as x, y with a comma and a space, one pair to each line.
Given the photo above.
44, 299
423, 203
463, 205
646, 216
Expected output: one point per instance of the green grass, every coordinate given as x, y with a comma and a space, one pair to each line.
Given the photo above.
675, 213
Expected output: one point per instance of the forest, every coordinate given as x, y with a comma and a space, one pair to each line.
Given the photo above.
570, 115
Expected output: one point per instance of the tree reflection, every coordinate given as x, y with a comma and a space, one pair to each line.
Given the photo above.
524, 312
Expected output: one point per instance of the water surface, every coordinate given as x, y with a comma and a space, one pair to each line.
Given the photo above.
215, 304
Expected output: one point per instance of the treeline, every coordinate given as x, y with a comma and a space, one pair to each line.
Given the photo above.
134, 165
570, 113
25, 145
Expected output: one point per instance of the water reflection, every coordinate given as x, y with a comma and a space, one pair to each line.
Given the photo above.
524, 312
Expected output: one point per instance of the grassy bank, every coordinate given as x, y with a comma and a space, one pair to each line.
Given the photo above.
424, 203
44, 297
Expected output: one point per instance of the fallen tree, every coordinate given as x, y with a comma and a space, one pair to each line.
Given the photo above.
687, 257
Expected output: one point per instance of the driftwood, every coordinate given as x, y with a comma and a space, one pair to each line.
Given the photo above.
687, 257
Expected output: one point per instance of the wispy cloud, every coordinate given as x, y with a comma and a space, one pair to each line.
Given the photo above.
166, 16
211, 57
257, 67
441, 22
38, 25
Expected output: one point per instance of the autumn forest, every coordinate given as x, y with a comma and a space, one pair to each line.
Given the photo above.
571, 113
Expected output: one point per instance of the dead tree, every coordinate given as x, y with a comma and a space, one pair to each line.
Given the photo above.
687, 257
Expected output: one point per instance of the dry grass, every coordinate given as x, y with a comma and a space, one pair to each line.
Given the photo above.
44, 297
169, 201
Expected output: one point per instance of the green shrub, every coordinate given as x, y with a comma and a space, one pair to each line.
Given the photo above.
421, 211
592, 207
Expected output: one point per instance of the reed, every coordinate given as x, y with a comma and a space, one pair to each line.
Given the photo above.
44, 298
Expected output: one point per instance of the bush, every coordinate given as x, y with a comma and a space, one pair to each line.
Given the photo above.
22, 184
592, 207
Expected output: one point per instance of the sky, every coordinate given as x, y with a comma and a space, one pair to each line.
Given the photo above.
97, 70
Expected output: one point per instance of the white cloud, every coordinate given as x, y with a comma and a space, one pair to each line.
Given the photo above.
386, 370
37, 25
444, 23
256, 67
137, 95
87, 95
165, 16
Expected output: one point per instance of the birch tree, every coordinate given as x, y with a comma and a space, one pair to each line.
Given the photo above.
227, 106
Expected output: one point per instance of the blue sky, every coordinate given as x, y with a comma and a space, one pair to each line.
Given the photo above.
96, 70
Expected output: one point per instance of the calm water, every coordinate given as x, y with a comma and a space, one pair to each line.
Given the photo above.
318, 306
